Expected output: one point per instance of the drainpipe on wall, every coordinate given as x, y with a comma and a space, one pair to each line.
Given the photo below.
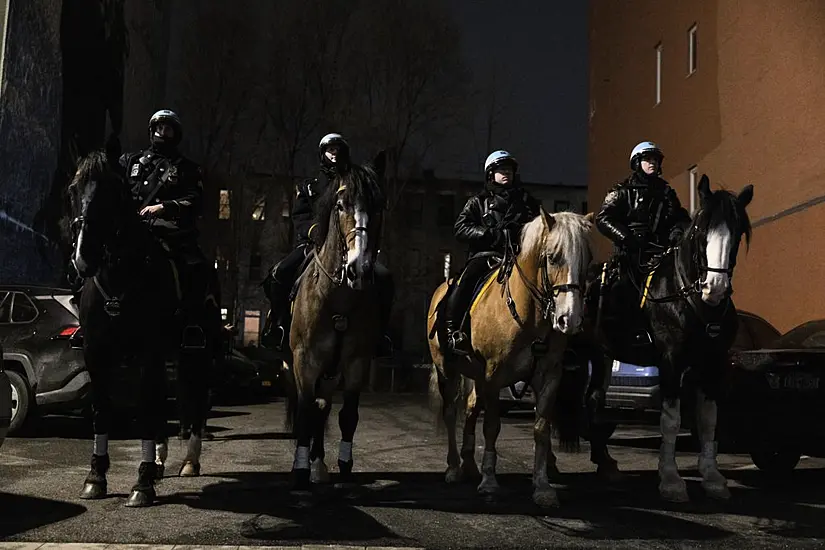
4, 25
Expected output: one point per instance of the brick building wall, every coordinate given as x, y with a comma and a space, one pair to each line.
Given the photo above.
751, 112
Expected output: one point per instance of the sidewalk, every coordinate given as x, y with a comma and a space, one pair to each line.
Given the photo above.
88, 546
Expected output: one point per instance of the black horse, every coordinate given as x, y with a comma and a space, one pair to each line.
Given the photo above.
130, 305
677, 313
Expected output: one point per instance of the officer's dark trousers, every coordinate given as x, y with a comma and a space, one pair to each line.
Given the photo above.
459, 301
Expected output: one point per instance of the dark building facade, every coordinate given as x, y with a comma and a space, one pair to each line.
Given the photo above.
733, 90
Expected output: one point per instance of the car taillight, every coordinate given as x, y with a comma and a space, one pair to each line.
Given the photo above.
67, 332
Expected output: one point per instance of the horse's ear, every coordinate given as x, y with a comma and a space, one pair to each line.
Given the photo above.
590, 216
380, 163
745, 196
548, 219
704, 188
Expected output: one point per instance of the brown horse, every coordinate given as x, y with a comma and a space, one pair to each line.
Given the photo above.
525, 343
335, 322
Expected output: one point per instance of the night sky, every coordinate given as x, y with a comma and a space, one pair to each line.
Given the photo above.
540, 50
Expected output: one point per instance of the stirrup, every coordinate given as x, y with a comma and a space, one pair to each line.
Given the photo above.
456, 339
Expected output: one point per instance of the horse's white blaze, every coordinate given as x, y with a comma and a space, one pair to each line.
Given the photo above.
569, 310
88, 192
716, 285
357, 257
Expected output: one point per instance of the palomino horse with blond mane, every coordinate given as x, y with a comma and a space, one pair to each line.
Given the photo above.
335, 322
518, 327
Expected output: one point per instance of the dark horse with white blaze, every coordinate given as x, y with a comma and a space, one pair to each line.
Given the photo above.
683, 299
335, 322
129, 310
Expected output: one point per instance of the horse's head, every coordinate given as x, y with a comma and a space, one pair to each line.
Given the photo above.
716, 232
353, 212
561, 244
97, 196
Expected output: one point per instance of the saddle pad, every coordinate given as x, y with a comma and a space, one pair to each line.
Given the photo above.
483, 287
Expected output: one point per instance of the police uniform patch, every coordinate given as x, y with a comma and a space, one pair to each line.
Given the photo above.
135, 169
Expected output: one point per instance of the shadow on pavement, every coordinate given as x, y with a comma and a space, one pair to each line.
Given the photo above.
599, 513
22, 513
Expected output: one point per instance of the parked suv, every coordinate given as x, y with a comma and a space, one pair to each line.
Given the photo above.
46, 373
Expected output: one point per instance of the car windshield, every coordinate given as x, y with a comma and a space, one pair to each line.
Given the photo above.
810, 335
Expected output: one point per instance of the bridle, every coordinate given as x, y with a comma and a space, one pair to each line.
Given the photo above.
544, 294
343, 240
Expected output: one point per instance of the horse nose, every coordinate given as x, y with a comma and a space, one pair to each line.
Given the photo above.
561, 322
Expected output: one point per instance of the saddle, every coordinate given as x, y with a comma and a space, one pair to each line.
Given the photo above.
496, 272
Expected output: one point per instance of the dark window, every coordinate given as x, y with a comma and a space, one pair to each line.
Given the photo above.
445, 216
23, 310
584, 207
5, 307
561, 206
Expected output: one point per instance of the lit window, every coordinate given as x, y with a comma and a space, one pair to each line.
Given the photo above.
692, 171
692, 50
223, 205
259, 212
658, 73
251, 327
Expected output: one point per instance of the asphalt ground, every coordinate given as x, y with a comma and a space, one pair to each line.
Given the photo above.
401, 500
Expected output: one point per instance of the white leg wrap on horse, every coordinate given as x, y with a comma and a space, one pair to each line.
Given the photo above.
193, 452
147, 450
301, 458
101, 444
488, 463
161, 452
670, 421
345, 451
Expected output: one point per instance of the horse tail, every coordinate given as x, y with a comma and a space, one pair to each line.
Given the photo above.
291, 400
436, 399
569, 411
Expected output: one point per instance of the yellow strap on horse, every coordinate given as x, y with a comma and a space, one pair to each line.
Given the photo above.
484, 289
646, 289
341, 188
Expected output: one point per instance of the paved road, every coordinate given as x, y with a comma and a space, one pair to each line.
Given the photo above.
242, 497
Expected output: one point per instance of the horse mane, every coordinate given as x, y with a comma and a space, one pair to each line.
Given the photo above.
357, 184
95, 163
720, 206
563, 236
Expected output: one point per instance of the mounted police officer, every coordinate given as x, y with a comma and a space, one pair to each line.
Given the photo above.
487, 222
333, 155
643, 212
167, 189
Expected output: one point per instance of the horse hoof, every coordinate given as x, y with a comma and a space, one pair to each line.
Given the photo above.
716, 491
610, 473
546, 498
301, 484
190, 469
453, 475
674, 494
93, 491
488, 487
319, 473
553, 472
469, 470
161, 469
141, 498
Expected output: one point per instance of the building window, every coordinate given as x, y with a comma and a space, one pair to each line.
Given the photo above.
285, 211
224, 314
561, 206
692, 171
658, 73
445, 216
251, 327
259, 211
448, 258
223, 205
584, 207
415, 209
221, 263
692, 50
